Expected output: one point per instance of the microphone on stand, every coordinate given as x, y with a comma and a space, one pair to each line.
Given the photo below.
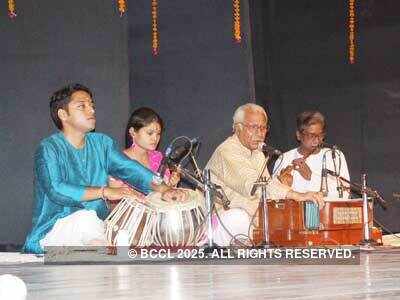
324, 177
219, 192
333, 147
178, 154
174, 156
269, 150
327, 145
195, 141
195, 145
164, 162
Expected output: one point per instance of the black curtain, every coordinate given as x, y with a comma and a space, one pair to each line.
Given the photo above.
50, 44
199, 76
301, 63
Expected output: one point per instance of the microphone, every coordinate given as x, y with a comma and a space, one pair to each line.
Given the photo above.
327, 145
217, 190
174, 156
331, 173
178, 154
182, 151
324, 177
163, 164
333, 147
195, 141
269, 150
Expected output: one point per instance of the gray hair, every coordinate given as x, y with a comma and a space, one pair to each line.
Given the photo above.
308, 118
238, 116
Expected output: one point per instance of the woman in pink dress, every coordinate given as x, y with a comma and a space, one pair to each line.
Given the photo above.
142, 136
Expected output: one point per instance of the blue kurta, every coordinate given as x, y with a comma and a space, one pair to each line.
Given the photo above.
62, 172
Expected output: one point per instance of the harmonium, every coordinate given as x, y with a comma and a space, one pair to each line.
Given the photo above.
302, 224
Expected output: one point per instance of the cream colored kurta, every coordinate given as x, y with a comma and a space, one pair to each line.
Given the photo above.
236, 168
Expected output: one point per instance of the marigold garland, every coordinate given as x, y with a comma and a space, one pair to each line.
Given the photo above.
154, 23
121, 7
237, 34
11, 9
352, 32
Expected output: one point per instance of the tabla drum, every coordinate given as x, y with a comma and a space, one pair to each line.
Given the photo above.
132, 217
158, 222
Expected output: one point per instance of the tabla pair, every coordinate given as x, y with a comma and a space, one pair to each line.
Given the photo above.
157, 222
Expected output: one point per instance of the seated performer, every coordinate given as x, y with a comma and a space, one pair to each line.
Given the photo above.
236, 164
301, 167
71, 171
142, 136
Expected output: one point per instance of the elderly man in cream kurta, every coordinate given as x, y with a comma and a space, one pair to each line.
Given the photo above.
236, 164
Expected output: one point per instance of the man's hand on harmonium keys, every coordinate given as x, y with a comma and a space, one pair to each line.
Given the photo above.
316, 197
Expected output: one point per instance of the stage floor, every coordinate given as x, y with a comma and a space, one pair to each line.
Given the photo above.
377, 277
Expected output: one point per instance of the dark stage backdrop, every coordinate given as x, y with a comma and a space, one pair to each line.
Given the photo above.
195, 83
198, 79
49, 44
300, 61
200, 75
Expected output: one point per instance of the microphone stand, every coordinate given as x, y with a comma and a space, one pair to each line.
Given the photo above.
209, 189
221, 198
202, 181
197, 170
359, 188
209, 206
365, 192
324, 183
339, 186
367, 241
324, 176
263, 182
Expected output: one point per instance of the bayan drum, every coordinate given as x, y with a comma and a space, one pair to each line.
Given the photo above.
158, 222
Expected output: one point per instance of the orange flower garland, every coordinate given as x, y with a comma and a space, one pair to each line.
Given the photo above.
352, 32
121, 7
11, 9
237, 34
155, 42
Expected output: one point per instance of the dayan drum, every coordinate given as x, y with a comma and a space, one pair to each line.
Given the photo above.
158, 222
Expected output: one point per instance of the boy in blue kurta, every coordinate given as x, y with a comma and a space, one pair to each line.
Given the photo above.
71, 171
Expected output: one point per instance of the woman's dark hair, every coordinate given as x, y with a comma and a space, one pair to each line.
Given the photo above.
308, 118
61, 98
140, 118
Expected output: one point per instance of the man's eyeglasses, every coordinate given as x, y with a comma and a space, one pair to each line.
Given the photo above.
312, 136
254, 127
